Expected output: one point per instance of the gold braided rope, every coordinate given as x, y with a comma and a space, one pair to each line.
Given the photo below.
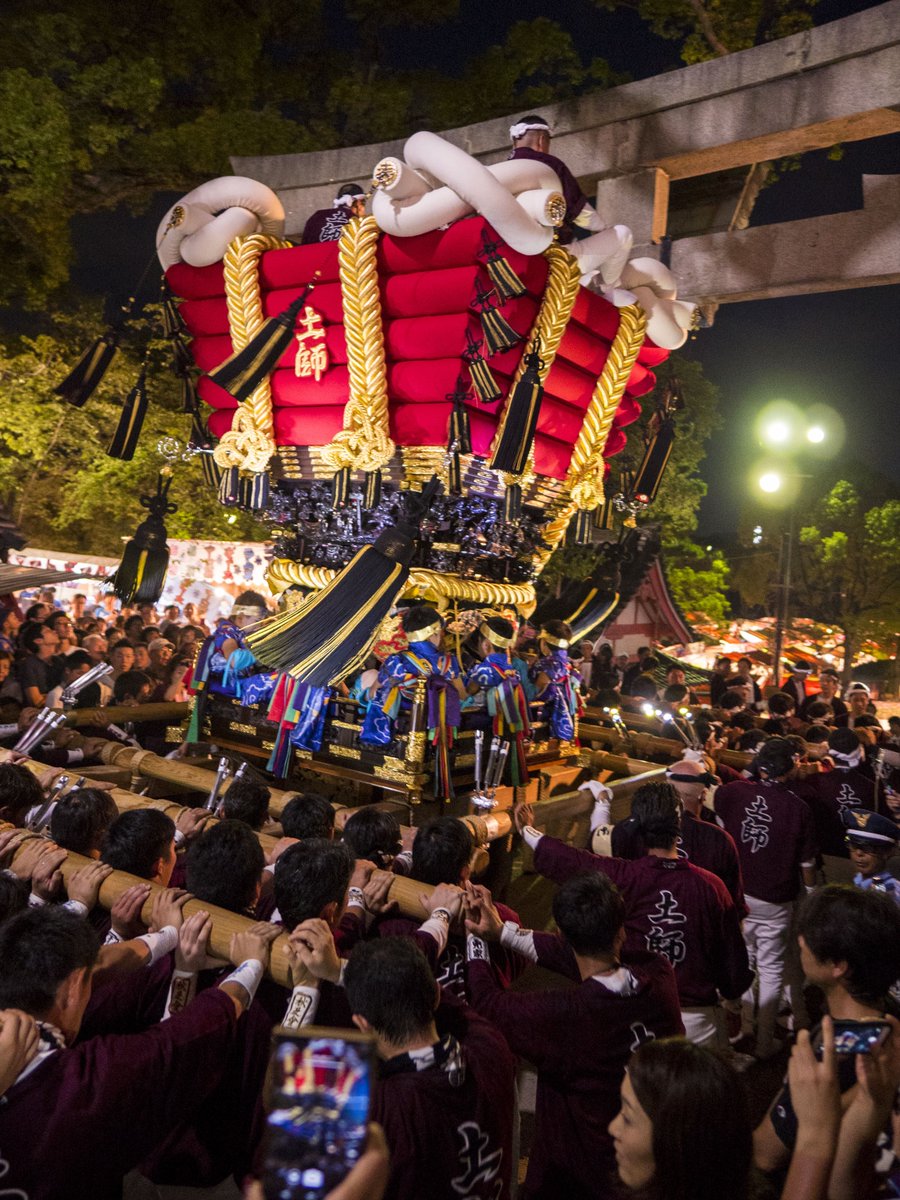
560, 294
284, 572
250, 442
584, 481
364, 442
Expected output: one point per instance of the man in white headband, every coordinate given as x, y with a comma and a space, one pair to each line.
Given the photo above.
530, 137
327, 224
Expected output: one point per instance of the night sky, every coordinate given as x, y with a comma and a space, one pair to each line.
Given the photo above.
839, 348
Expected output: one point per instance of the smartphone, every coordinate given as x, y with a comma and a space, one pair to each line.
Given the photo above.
319, 1088
859, 1037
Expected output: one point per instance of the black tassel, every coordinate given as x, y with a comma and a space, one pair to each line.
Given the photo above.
521, 416
189, 401
498, 333
372, 489
212, 472
454, 474
81, 382
512, 502
340, 488
141, 574
506, 282
656, 456
327, 637
230, 487
253, 492
240, 373
485, 385
583, 527
134, 409
459, 434
604, 515
585, 603
184, 360
173, 322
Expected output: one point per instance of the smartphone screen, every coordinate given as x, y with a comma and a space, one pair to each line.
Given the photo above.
859, 1037
319, 1088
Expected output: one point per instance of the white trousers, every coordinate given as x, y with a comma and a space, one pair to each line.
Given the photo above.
705, 1027
766, 929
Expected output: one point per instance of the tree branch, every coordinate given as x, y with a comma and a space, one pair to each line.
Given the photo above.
706, 28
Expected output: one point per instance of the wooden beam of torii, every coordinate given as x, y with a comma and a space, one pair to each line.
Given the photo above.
837, 82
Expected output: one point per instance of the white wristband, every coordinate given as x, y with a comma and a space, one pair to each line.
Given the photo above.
180, 839
160, 944
520, 941
74, 756
476, 949
302, 1006
531, 836
76, 906
249, 975
356, 898
112, 938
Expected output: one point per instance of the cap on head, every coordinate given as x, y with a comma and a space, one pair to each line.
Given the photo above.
865, 826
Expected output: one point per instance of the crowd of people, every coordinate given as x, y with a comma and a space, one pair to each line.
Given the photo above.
734, 916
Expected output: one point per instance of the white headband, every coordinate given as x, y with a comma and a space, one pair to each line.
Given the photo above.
346, 201
523, 127
853, 759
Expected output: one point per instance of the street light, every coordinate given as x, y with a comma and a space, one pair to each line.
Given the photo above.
815, 434
770, 482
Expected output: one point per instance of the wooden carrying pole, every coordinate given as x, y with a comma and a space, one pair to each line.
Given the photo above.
406, 893
647, 744
174, 712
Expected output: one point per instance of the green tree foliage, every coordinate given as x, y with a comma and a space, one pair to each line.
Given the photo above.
698, 580
103, 104
849, 566
714, 28
55, 477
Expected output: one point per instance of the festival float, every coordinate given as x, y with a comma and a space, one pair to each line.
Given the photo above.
423, 410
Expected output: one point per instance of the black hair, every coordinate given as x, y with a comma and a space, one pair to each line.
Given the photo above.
374, 835
31, 612
308, 815
558, 629
247, 800
137, 839
77, 658
132, 621
590, 912
89, 697
130, 683
842, 923
817, 733
30, 634
420, 618
502, 627
775, 757
780, 704
702, 1136
350, 189
819, 710
742, 720
224, 866
675, 693
751, 739
13, 896
656, 811
81, 818
776, 726
309, 876
388, 981
39, 949
731, 699
441, 851
19, 791
866, 721
650, 663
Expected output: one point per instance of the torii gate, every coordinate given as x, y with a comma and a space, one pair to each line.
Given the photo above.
839, 82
